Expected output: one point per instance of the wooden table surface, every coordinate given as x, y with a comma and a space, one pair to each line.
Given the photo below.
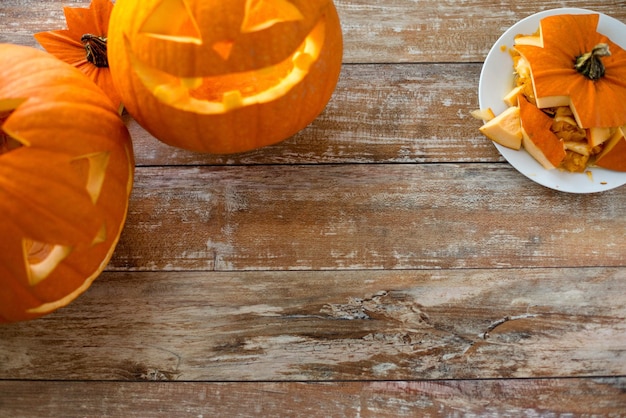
386, 261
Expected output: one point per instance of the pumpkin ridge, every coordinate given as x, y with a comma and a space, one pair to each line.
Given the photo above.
82, 228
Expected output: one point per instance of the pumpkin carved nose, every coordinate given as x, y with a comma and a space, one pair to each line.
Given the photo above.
223, 49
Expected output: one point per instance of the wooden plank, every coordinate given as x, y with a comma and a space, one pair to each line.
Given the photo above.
387, 31
366, 216
382, 113
330, 326
530, 398
438, 31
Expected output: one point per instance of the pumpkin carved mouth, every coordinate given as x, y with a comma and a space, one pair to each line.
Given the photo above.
223, 93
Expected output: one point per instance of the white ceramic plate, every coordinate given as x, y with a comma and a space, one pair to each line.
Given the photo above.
496, 80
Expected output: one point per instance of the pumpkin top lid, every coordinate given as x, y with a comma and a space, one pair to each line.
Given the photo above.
595, 101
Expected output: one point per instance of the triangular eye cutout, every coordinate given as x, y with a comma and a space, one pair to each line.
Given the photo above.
172, 20
261, 14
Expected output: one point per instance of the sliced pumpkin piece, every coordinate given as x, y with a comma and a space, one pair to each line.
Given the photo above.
483, 114
533, 40
613, 156
597, 136
505, 128
540, 142
511, 97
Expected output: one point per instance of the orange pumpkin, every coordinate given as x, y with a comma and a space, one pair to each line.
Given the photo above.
66, 167
574, 65
225, 76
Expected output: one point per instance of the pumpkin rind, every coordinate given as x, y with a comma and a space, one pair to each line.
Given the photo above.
613, 157
63, 190
564, 38
538, 139
225, 77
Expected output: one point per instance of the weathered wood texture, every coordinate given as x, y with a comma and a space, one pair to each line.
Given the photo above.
375, 31
491, 398
331, 274
397, 113
351, 325
379, 113
381, 216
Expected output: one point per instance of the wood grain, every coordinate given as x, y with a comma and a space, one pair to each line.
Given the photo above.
402, 113
376, 31
330, 326
528, 398
367, 216
383, 31
385, 261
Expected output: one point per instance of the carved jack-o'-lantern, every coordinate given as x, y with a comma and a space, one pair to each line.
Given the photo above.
225, 76
66, 172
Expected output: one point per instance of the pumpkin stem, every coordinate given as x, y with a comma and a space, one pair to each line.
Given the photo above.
96, 49
590, 65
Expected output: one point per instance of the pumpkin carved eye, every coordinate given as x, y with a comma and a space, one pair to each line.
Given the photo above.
172, 20
261, 14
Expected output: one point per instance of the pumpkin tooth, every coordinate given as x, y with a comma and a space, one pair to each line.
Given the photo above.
303, 61
169, 93
232, 99
191, 83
